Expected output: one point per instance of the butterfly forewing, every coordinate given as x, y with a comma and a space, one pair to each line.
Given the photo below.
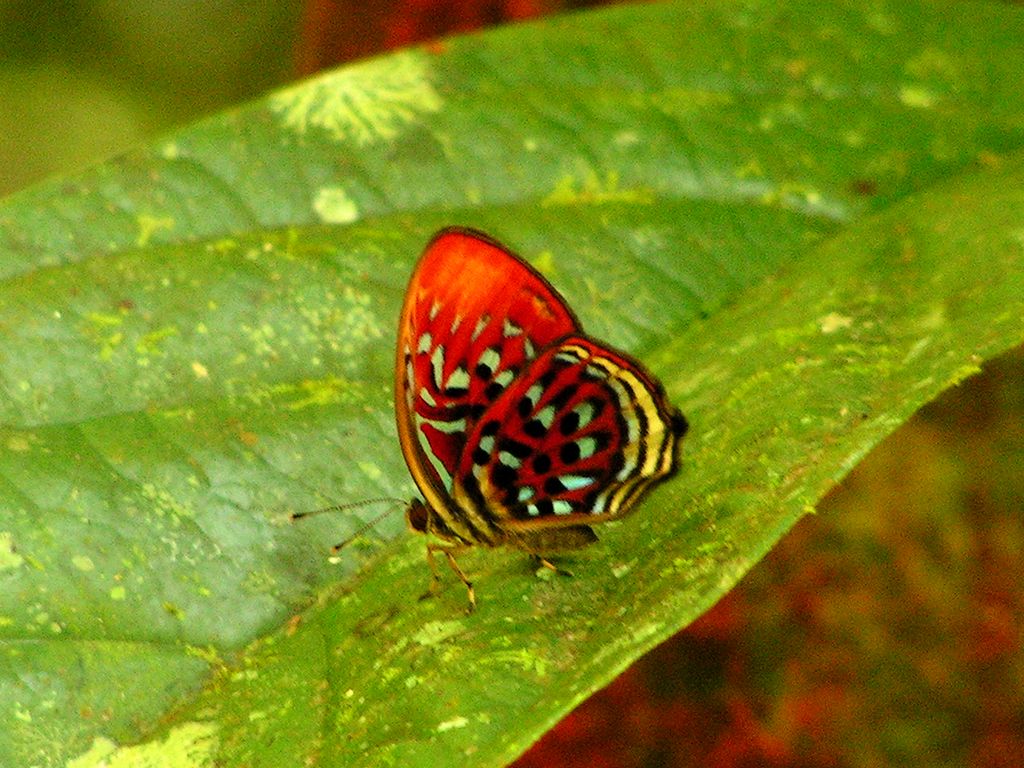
578, 438
474, 317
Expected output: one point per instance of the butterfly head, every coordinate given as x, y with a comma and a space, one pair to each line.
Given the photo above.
417, 514
423, 519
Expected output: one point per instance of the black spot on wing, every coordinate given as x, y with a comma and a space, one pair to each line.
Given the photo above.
569, 453
525, 407
562, 397
504, 477
541, 463
553, 486
534, 428
569, 424
516, 448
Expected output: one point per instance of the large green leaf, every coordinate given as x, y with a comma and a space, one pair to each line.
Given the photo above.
807, 220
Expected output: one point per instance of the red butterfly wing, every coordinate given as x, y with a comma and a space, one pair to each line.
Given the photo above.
474, 317
577, 439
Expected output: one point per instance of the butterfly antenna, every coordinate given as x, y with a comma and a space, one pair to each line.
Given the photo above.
353, 505
364, 528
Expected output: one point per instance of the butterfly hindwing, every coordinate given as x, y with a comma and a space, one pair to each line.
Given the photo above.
577, 438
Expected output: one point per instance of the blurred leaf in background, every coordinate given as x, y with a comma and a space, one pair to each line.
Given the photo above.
85, 79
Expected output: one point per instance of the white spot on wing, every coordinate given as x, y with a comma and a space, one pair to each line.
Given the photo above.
482, 323
588, 445
437, 364
562, 507
575, 482
509, 460
448, 427
490, 358
458, 380
546, 415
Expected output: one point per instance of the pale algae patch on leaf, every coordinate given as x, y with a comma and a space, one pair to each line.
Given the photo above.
593, 189
190, 745
371, 470
334, 206
345, 322
365, 103
455, 722
434, 632
9, 558
150, 225
917, 96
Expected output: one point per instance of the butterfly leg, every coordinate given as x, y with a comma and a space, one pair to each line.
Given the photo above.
435, 579
543, 562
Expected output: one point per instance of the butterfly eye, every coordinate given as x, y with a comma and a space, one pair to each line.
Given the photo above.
417, 516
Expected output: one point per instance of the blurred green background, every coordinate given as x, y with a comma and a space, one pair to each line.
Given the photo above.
81, 81
886, 630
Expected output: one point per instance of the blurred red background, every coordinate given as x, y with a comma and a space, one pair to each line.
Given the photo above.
334, 31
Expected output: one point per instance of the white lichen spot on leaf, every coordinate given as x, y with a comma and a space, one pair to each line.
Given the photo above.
364, 103
334, 206
455, 722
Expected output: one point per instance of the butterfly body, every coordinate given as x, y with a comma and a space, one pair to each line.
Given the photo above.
518, 429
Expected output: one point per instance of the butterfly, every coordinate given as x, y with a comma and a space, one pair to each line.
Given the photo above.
518, 428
